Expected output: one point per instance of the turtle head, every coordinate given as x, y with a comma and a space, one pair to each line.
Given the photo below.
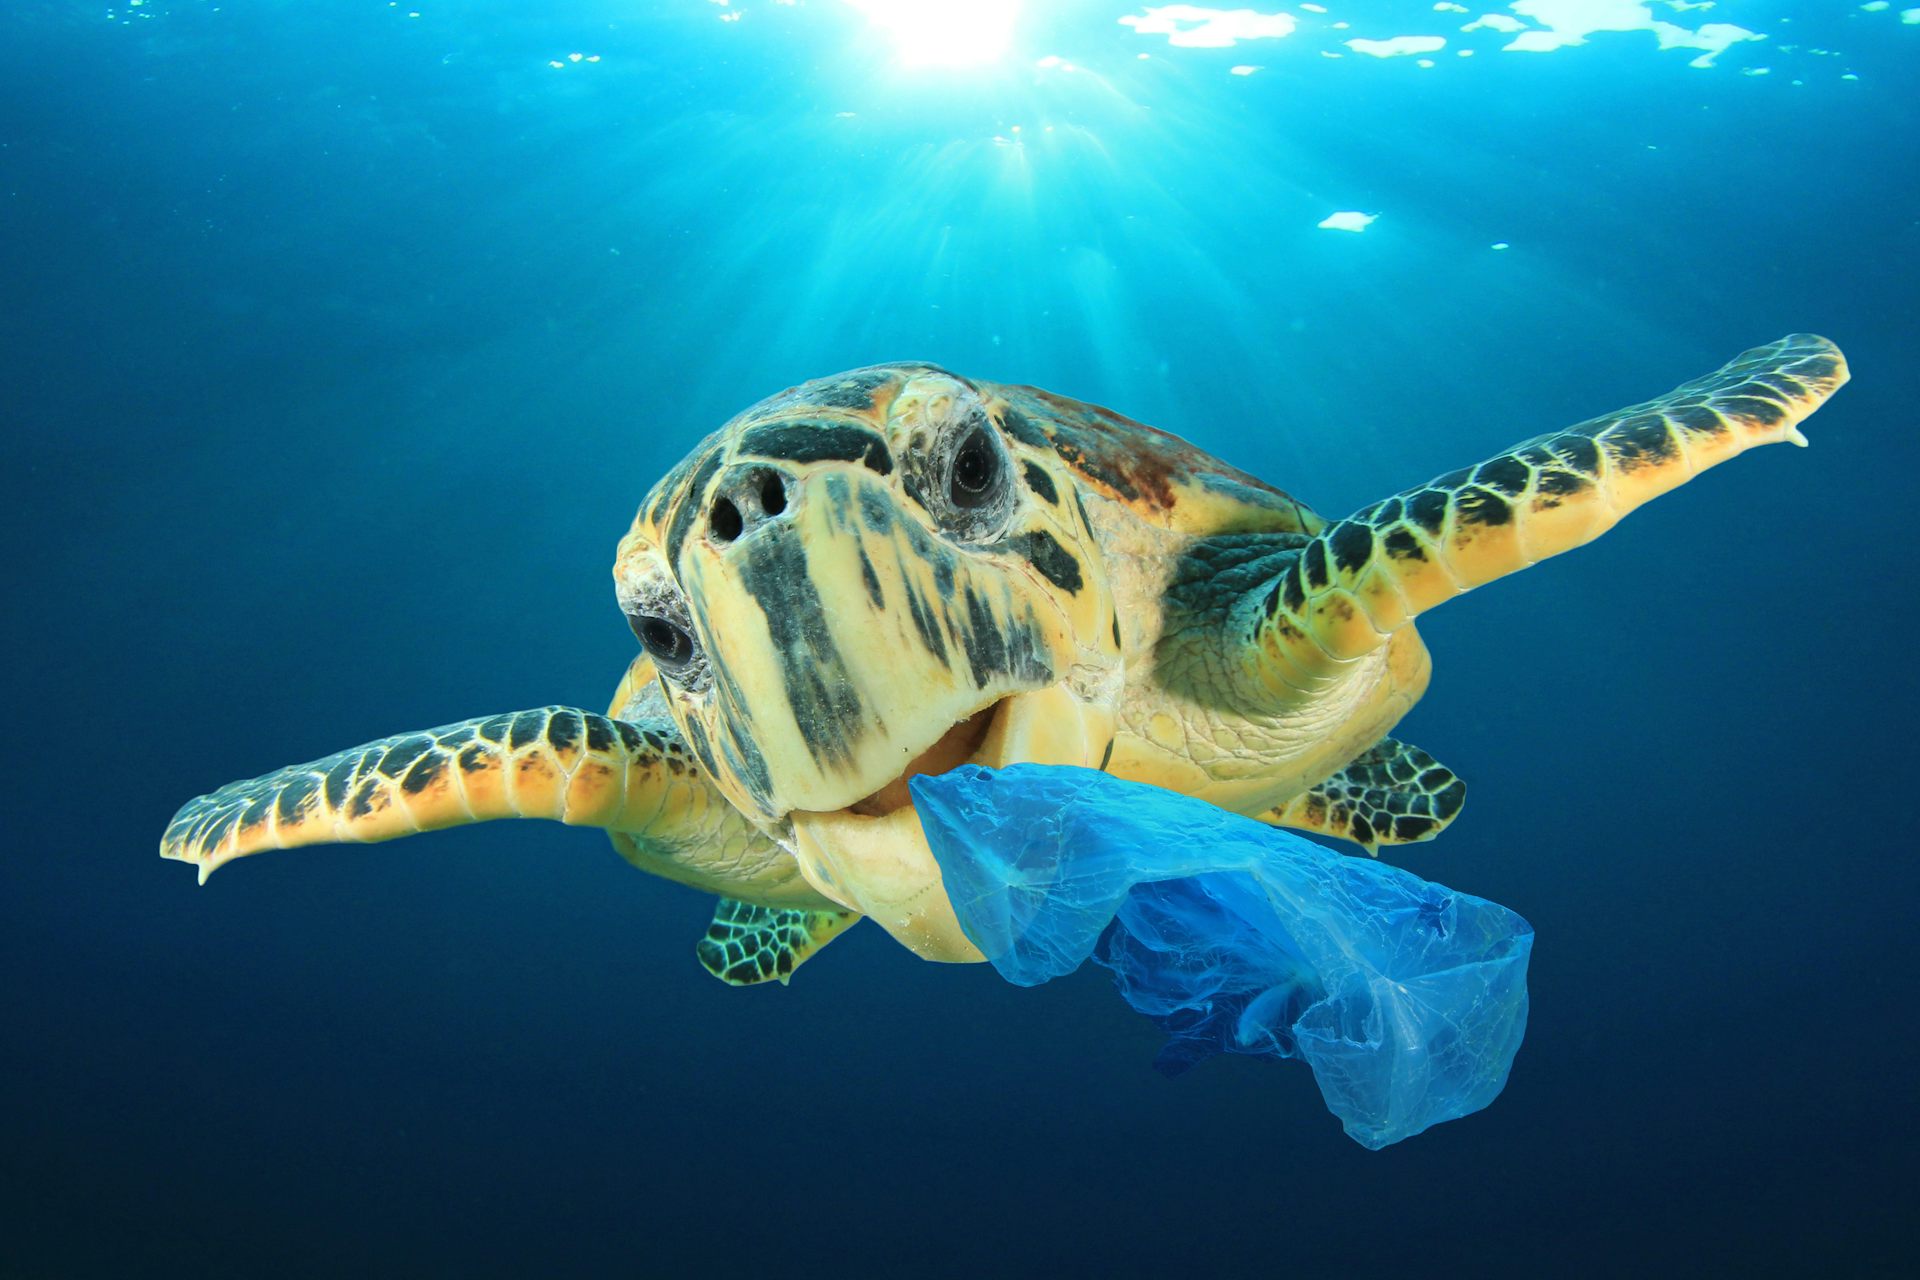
869, 576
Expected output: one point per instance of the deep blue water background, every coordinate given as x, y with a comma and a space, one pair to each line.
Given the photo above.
337, 348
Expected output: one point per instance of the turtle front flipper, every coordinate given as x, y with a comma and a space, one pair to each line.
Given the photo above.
1391, 794
1360, 580
747, 944
637, 780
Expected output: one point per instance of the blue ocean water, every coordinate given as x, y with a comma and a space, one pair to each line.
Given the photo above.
340, 340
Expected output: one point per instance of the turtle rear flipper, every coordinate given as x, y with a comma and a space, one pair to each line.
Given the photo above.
1391, 794
747, 944
1363, 578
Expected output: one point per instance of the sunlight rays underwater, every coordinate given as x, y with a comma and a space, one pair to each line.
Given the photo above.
1078, 229
1100, 211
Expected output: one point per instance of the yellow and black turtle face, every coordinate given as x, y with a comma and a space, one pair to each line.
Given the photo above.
873, 575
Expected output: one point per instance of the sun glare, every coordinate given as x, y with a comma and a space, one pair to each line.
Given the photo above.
944, 33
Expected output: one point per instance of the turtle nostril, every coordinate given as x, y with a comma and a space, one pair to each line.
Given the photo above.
773, 494
726, 520
746, 498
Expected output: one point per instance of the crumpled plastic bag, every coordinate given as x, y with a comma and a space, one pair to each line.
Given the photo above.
1408, 1000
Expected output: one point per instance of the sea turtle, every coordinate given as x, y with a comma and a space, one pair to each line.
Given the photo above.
895, 570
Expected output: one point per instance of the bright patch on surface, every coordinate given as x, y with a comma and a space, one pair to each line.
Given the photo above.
1911, 17
1192, 26
1245, 71
944, 33
1541, 42
1570, 22
1495, 22
1715, 38
1348, 221
1398, 46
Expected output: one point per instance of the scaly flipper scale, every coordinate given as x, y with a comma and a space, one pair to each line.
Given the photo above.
1362, 579
746, 944
1391, 794
635, 779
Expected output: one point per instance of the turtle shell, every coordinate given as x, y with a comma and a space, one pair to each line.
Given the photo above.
1161, 478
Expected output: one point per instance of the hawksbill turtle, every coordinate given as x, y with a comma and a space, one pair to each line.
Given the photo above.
896, 570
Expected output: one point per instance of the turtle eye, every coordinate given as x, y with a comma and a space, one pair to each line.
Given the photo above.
667, 643
976, 469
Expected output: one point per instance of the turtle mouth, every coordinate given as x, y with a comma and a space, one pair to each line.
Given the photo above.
872, 855
964, 743
1039, 726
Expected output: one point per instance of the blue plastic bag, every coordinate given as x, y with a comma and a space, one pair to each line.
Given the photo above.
1408, 1000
